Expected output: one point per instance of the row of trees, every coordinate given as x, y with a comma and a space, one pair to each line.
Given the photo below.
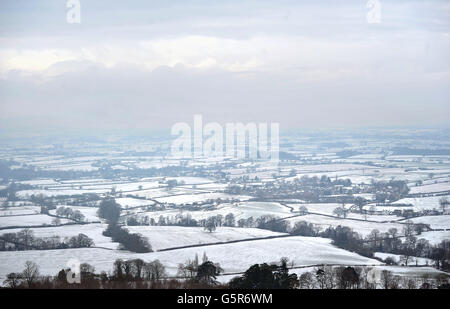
69, 213
134, 273
133, 242
126, 274
140, 274
110, 210
184, 220
264, 276
200, 274
26, 240
341, 277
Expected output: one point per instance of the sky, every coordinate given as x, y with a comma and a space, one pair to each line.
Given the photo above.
149, 64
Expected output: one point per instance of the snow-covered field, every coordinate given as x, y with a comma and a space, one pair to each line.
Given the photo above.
162, 237
20, 210
418, 204
435, 237
192, 198
418, 261
30, 220
93, 231
126, 202
436, 187
435, 222
242, 210
375, 162
90, 213
375, 217
363, 228
235, 257
324, 208
56, 192
191, 180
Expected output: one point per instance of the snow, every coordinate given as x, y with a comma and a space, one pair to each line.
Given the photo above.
436, 187
242, 210
235, 257
411, 261
39, 182
191, 180
435, 222
413, 271
133, 202
27, 193
324, 208
435, 237
20, 210
192, 198
90, 213
93, 231
31, 220
418, 204
161, 237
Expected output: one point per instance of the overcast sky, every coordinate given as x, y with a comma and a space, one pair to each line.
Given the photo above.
149, 64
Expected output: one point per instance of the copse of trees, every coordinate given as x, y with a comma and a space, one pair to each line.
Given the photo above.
69, 213
211, 224
303, 228
126, 274
270, 222
25, 240
207, 273
128, 241
200, 275
109, 210
391, 191
264, 276
444, 202
187, 220
138, 274
138, 270
340, 212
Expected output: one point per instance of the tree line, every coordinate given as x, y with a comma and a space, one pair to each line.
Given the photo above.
26, 240
110, 210
138, 274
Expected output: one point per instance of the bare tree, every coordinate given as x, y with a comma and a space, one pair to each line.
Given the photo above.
443, 202
154, 270
306, 281
210, 224
303, 210
360, 202
26, 236
30, 273
13, 280
408, 229
409, 283
393, 232
386, 279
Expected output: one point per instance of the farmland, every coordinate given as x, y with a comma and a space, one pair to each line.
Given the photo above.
258, 210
